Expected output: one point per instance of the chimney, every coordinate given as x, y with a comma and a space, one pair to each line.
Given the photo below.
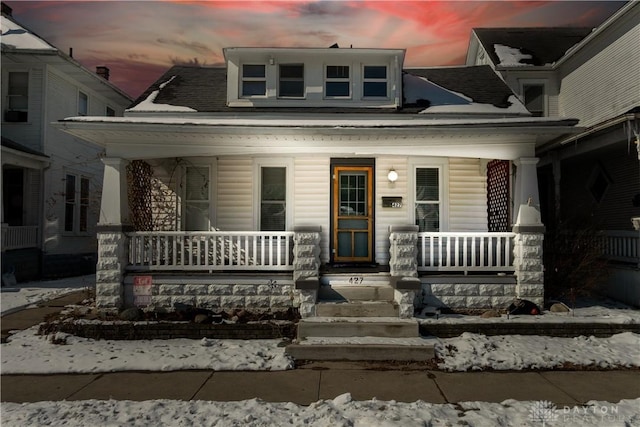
103, 71
6, 10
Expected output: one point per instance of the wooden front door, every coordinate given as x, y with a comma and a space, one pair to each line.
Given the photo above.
352, 213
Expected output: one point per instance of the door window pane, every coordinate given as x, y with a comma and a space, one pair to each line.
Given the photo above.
273, 194
197, 198
353, 194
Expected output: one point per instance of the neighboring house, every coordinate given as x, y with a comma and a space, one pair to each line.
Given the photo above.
51, 181
590, 179
294, 173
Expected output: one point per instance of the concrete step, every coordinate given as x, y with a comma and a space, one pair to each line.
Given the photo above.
359, 352
387, 327
355, 279
373, 292
357, 309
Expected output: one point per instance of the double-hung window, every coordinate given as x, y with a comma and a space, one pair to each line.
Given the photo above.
76, 206
428, 198
196, 198
533, 97
17, 97
291, 81
273, 198
375, 81
337, 83
83, 104
254, 80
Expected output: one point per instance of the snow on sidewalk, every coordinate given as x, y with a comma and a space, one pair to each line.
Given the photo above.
338, 412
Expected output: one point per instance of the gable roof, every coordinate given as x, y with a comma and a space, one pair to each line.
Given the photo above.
544, 45
203, 90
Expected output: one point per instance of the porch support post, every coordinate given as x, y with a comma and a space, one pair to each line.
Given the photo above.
306, 267
113, 244
403, 266
526, 185
527, 251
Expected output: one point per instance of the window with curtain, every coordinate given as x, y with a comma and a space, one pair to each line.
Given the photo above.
427, 214
273, 196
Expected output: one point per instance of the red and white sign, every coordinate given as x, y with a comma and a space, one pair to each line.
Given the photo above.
142, 290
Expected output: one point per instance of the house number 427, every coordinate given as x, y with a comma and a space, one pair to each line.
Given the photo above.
356, 280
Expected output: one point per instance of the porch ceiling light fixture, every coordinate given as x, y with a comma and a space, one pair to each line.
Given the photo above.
392, 176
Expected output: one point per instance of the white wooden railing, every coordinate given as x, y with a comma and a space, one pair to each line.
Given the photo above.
465, 252
210, 250
19, 237
622, 246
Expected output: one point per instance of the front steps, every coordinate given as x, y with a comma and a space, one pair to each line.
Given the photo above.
357, 320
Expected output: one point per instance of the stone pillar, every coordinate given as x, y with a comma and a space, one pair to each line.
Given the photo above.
306, 267
113, 243
526, 184
527, 251
403, 251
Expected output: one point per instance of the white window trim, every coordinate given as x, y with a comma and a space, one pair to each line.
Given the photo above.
387, 80
76, 209
545, 89
442, 164
326, 80
282, 162
242, 79
212, 165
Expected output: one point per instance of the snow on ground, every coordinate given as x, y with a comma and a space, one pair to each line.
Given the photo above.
26, 294
341, 411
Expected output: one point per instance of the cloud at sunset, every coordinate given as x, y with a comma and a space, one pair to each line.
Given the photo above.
139, 40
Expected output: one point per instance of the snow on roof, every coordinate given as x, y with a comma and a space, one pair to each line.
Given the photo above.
510, 56
516, 107
149, 104
17, 37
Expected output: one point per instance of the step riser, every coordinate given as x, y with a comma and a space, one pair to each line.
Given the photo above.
357, 329
357, 310
355, 280
360, 353
356, 293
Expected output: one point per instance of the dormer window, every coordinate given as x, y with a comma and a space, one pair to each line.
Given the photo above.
533, 94
254, 80
375, 81
291, 81
337, 83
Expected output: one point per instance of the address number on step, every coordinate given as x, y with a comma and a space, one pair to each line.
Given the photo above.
356, 280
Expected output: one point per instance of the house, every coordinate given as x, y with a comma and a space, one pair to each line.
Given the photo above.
590, 179
293, 176
51, 181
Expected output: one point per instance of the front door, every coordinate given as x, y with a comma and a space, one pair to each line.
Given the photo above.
352, 213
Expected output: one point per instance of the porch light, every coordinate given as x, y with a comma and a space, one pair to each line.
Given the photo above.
392, 176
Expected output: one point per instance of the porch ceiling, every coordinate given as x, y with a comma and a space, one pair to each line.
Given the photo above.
141, 138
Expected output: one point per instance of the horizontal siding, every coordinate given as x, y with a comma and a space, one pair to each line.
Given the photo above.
235, 186
312, 187
386, 217
606, 84
467, 195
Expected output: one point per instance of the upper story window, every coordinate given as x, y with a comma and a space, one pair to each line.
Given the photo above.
83, 104
254, 80
533, 96
291, 81
375, 81
76, 207
337, 83
17, 97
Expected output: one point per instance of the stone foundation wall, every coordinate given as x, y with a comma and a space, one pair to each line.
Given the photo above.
468, 295
257, 295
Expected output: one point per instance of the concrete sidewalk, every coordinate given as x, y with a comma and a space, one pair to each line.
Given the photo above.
327, 380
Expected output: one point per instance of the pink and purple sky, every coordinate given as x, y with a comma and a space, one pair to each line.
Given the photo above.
139, 40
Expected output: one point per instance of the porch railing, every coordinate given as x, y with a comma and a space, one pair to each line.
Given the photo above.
19, 237
210, 250
621, 246
465, 252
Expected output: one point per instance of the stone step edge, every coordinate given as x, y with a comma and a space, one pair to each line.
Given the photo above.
360, 352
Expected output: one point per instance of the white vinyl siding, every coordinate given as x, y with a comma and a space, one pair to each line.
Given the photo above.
467, 195
235, 201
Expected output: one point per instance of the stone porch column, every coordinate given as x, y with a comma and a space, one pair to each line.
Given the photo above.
113, 244
306, 267
403, 265
527, 251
